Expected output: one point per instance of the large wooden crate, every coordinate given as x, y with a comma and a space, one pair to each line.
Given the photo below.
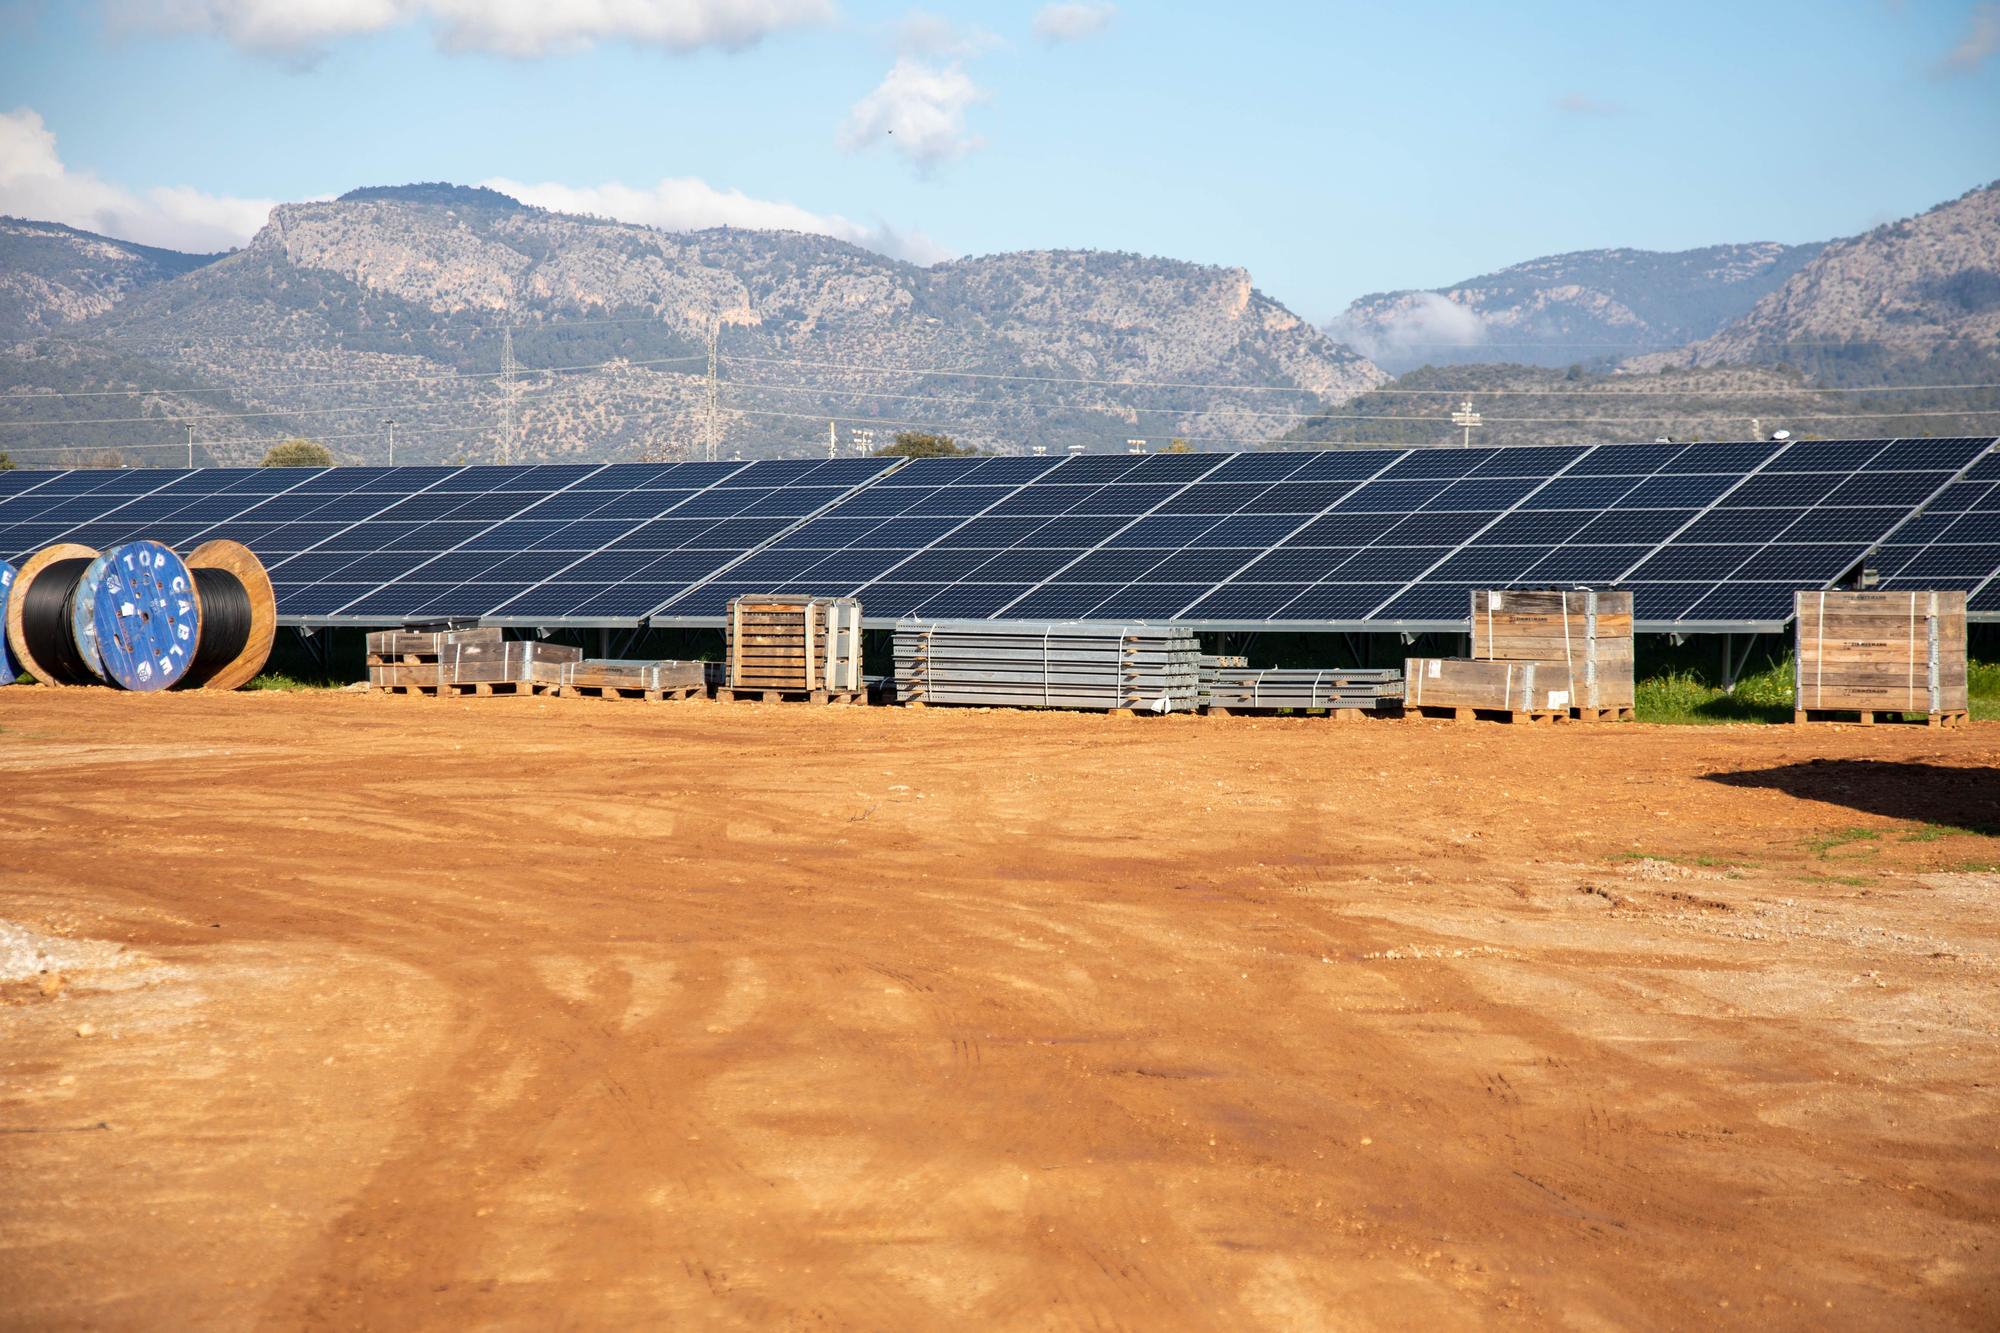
794, 645
481, 658
390, 643
1467, 686
1881, 652
1589, 632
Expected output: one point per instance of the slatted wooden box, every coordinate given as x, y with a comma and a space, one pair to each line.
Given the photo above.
1589, 632
1465, 684
1881, 652
625, 674
481, 660
789, 644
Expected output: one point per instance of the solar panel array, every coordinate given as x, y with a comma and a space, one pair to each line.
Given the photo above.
1705, 535
1954, 543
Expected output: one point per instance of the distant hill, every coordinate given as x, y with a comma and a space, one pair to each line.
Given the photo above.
393, 303
1915, 295
1593, 307
52, 275
1541, 405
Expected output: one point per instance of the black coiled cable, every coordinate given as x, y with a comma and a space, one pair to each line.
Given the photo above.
47, 625
225, 625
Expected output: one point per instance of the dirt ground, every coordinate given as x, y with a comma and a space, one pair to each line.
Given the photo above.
344, 1011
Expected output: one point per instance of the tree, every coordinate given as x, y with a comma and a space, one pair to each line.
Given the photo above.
298, 453
6, 463
1178, 445
922, 444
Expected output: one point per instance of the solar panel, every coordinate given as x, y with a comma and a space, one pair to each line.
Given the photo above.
1706, 536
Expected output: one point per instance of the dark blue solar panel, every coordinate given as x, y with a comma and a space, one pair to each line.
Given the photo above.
1439, 463
1733, 459
1626, 460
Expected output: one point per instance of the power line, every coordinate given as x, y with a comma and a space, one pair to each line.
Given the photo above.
944, 372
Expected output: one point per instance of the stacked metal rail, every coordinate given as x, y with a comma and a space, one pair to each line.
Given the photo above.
1250, 690
1048, 664
1210, 664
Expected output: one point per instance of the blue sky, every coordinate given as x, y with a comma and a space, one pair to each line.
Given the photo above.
1331, 149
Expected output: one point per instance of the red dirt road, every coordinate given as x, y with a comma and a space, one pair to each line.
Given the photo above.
534, 1014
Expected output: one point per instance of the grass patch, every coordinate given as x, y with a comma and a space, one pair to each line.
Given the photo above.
1982, 680
1688, 697
285, 681
1710, 862
1823, 845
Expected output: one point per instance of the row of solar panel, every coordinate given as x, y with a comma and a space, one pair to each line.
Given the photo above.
1701, 532
1695, 545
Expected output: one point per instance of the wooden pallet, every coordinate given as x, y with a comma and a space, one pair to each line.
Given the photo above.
675, 695
464, 689
1535, 716
1868, 718
1603, 714
724, 694
1343, 714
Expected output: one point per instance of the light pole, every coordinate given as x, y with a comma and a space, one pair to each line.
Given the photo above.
1467, 418
390, 422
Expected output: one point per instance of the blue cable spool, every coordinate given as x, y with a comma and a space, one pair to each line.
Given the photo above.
145, 618
83, 613
8, 671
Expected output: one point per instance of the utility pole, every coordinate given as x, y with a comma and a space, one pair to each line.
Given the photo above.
1135, 446
1467, 418
390, 422
190, 446
832, 440
507, 368
864, 440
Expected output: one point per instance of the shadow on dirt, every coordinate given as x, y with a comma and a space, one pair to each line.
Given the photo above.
1962, 798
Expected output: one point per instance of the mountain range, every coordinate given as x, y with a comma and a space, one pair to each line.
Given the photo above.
482, 327
403, 303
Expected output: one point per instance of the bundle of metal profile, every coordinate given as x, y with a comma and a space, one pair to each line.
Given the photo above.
1048, 664
1244, 690
1210, 664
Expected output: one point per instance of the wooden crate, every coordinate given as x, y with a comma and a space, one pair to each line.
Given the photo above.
625, 679
400, 642
789, 645
1588, 631
1881, 652
483, 661
1465, 688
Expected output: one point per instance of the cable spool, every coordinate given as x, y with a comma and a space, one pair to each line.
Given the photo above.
39, 615
82, 616
8, 671
239, 616
146, 617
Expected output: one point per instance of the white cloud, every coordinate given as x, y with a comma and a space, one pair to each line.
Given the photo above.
1415, 331
918, 110
1981, 41
932, 36
34, 183
686, 203
507, 27
1072, 22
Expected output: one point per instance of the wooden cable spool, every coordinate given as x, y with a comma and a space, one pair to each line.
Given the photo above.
229, 655
8, 671
62, 555
83, 613
146, 618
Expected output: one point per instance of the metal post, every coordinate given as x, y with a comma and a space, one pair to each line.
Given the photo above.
390, 422
190, 446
